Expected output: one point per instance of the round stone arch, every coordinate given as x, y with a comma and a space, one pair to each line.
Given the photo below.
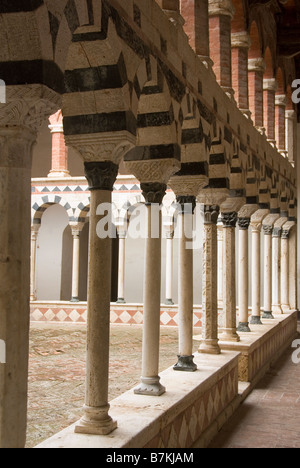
41, 205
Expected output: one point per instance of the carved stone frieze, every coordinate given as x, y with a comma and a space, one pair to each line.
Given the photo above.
153, 170
29, 106
102, 146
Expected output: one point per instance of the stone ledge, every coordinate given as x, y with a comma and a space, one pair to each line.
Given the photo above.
193, 404
260, 348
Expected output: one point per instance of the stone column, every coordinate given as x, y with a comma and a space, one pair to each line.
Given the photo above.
34, 235
243, 283
59, 158
229, 221
210, 339
268, 224
186, 187
276, 265
96, 420
150, 380
240, 43
76, 231
293, 266
284, 261
256, 225
122, 233
220, 16
26, 109
256, 69
185, 285
169, 266
154, 176
220, 264
280, 135
269, 87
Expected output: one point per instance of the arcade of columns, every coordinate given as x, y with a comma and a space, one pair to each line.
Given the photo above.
192, 120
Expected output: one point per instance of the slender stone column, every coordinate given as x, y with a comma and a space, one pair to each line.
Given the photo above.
59, 158
268, 272
244, 224
256, 275
284, 260
169, 266
276, 265
268, 224
96, 420
34, 235
76, 231
186, 185
229, 223
220, 264
210, 339
121, 268
185, 285
256, 225
293, 266
150, 380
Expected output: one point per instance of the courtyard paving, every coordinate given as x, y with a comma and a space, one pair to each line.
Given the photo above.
57, 371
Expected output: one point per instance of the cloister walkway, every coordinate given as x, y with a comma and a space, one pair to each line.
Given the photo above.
270, 416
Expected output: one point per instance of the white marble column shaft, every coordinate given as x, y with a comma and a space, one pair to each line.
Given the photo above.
243, 281
34, 235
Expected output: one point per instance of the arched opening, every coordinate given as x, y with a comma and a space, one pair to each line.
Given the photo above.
52, 244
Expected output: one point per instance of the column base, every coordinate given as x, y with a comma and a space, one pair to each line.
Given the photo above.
185, 364
75, 299
244, 327
268, 315
96, 421
230, 334
150, 386
277, 309
169, 302
32, 299
121, 300
255, 320
210, 347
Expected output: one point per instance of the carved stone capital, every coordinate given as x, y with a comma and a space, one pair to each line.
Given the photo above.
268, 230
101, 175
101, 147
229, 220
277, 232
187, 204
285, 234
153, 192
244, 223
211, 214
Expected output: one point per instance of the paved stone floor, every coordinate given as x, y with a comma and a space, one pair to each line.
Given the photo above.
270, 416
57, 370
